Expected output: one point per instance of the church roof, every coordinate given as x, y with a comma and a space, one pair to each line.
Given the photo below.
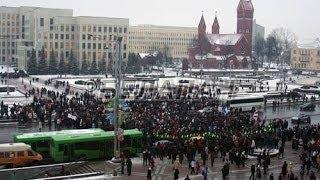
224, 39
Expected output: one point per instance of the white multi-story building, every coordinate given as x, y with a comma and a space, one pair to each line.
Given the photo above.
151, 38
60, 31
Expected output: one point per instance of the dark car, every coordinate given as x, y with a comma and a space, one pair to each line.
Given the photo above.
302, 119
308, 107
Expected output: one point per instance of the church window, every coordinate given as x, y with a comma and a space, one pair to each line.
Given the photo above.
247, 30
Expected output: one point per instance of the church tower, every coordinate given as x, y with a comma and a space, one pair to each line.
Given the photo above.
215, 26
245, 12
202, 28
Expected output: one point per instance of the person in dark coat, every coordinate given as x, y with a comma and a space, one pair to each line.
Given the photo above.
176, 174
271, 177
253, 171
129, 166
149, 174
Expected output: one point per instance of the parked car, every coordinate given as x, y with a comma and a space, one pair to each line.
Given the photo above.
302, 119
308, 107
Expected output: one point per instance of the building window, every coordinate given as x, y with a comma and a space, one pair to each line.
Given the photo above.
105, 29
72, 28
41, 22
61, 45
51, 21
125, 47
84, 28
110, 29
67, 53
94, 55
94, 29
56, 36
83, 36
61, 28
61, 36
72, 36
115, 29
99, 46
124, 55
125, 30
67, 28
56, 45
67, 36
120, 30
89, 45
99, 29
94, 45
83, 45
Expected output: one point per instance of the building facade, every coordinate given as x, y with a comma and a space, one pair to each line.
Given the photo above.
257, 31
174, 41
57, 30
216, 50
306, 56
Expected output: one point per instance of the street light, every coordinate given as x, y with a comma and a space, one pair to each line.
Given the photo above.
118, 77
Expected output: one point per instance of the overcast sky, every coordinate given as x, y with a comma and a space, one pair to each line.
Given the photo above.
300, 16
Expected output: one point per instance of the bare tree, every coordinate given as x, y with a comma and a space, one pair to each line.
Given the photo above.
286, 40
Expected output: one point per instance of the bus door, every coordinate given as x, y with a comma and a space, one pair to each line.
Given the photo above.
102, 149
68, 152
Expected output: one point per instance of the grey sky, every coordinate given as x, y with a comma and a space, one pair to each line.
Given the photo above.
300, 16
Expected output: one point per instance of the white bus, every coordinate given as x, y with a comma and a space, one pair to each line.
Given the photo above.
244, 101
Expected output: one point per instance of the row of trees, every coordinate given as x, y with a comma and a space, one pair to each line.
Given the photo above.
41, 66
276, 47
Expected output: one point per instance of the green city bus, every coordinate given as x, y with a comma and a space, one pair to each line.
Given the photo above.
40, 141
84, 144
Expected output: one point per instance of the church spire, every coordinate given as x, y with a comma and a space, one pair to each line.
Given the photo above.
202, 28
215, 25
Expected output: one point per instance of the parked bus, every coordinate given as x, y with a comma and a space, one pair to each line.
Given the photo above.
17, 154
85, 144
244, 101
40, 141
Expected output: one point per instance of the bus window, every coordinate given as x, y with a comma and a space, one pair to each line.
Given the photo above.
42, 144
60, 147
137, 143
87, 145
126, 142
20, 153
1, 155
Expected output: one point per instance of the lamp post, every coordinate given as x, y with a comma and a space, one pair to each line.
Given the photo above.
118, 77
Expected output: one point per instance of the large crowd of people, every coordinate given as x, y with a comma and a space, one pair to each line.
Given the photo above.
179, 129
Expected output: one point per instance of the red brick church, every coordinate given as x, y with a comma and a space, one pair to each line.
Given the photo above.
217, 50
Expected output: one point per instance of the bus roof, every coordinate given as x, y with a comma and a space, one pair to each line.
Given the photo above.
132, 133
48, 135
101, 135
14, 147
